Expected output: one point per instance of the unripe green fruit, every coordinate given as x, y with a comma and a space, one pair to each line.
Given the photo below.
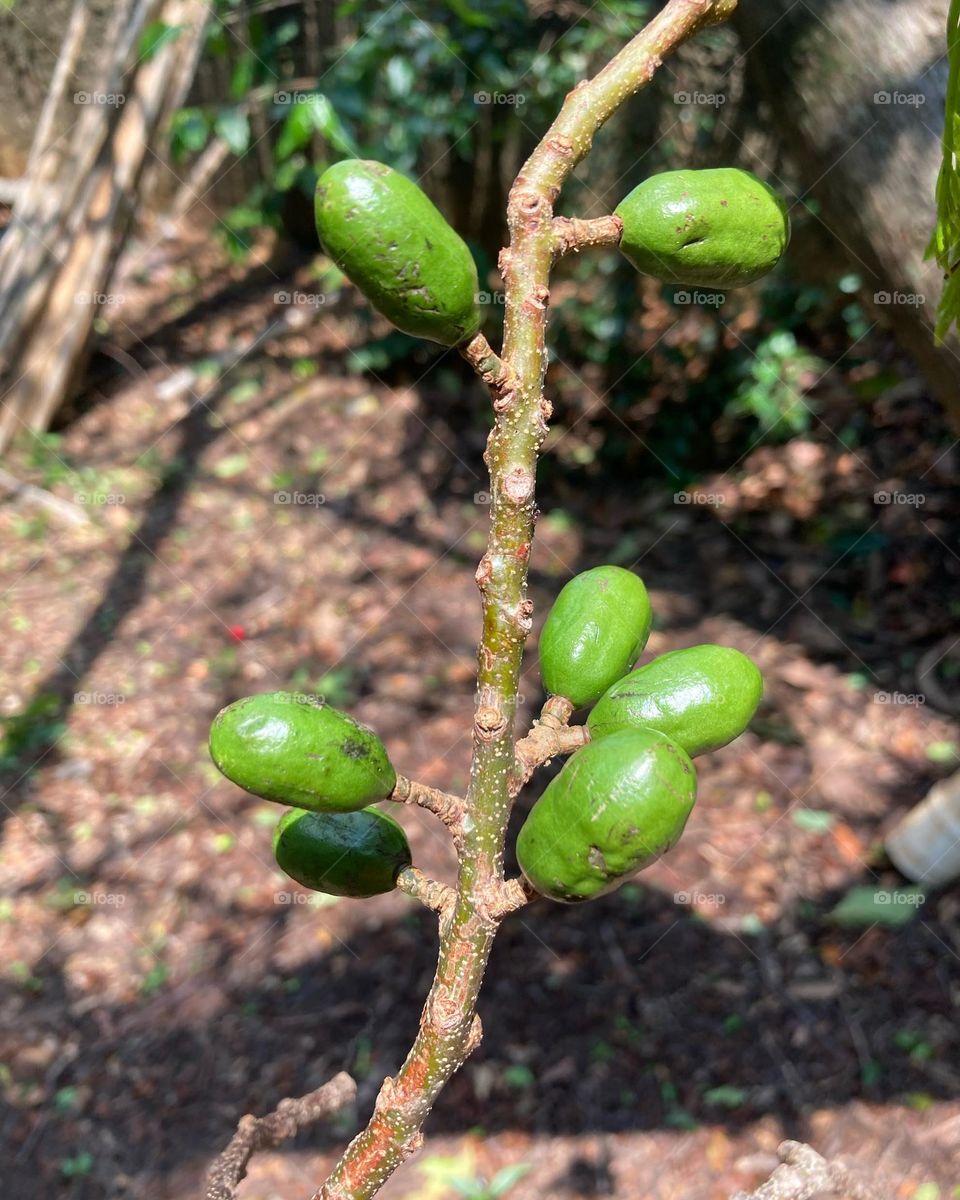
702, 698
396, 246
715, 228
594, 633
344, 854
615, 807
297, 750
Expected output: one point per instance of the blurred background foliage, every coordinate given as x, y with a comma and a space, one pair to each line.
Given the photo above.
456, 96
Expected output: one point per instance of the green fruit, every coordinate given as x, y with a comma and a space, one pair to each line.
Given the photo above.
297, 750
702, 697
718, 228
614, 808
594, 633
344, 854
393, 242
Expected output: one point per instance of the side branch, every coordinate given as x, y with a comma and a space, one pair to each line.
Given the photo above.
438, 897
542, 743
491, 368
447, 807
804, 1173
573, 234
264, 1133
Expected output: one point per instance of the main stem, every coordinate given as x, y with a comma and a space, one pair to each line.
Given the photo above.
449, 1027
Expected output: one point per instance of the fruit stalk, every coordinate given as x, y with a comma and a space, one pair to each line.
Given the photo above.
449, 1028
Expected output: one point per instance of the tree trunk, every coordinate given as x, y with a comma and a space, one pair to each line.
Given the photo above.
857, 92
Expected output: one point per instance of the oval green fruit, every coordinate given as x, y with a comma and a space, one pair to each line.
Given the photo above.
615, 807
715, 228
343, 854
594, 633
390, 239
702, 698
297, 750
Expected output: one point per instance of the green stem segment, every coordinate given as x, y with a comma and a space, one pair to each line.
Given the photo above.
449, 1026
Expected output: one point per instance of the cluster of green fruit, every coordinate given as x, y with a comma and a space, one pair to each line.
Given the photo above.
619, 802
712, 228
624, 798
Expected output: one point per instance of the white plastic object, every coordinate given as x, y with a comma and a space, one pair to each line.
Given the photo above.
925, 845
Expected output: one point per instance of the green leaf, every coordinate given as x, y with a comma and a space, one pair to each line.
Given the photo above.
726, 1096
812, 820
865, 906
232, 465
506, 1178
157, 35
945, 243
312, 112
233, 125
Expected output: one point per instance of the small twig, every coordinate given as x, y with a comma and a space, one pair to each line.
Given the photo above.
264, 1133
514, 894
804, 1173
550, 736
64, 510
572, 234
447, 807
491, 368
437, 896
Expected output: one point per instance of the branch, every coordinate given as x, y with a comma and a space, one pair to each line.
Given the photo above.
436, 896
447, 807
804, 1173
573, 234
448, 1025
545, 740
265, 1133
